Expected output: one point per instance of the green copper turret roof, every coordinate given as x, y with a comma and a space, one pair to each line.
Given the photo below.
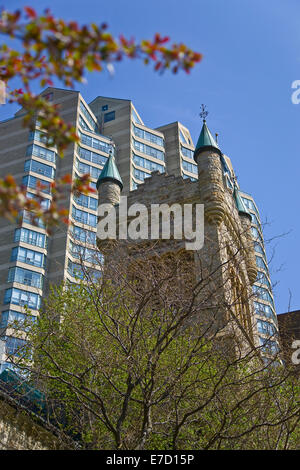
110, 172
239, 203
206, 140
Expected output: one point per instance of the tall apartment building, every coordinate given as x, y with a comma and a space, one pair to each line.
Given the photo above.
139, 149
30, 260
264, 306
179, 151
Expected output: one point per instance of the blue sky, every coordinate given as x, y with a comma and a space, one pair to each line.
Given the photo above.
251, 54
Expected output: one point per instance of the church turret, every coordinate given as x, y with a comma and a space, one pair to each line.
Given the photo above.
206, 141
109, 184
210, 174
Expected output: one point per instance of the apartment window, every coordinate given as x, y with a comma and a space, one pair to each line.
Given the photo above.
185, 176
29, 218
105, 107
28, 256
22, 298
84, 217
250, 204
228, 181
187, 152
148, 164
262, 293
77, 271
143, 134
85, 154
148, 150
98, 159
41, 152
44, 202
190, 167
14, 346
109, 116
138, 132
91, 170
83, 124
85, 254
258, 248
260, 263
266, 328
135, 117
41, 137
95, 143
263, 310
102, 146
36, 183
86, 201
84, 236
182, 137
256, 234
268, 345
82, 200
83, 167
224, 164
17, 319
88, 116
254, 219
141, 175
92, 156
25, 276
38, 167
262, 279
86, 139
30, 236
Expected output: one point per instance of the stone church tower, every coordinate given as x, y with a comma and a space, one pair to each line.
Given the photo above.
225, 265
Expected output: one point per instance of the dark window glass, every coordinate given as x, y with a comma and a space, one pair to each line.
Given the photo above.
109, 116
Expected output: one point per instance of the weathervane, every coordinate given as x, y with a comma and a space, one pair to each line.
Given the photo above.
203, 113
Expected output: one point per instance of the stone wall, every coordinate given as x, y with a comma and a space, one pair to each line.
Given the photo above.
22, 430
227, 260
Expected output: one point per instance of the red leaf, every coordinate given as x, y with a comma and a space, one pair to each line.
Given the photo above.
30, 12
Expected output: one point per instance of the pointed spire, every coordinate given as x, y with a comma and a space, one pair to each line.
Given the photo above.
110, 172
206, 140
242, 210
